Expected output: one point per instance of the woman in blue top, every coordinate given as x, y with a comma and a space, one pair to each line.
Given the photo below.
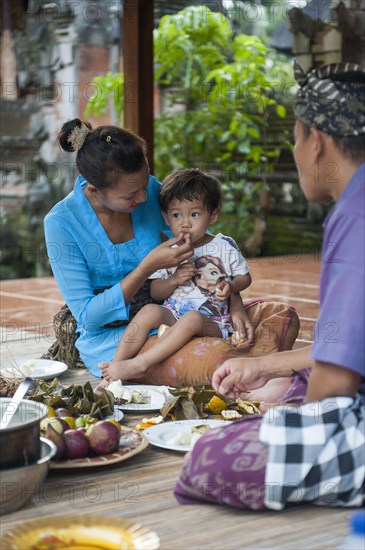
103, 239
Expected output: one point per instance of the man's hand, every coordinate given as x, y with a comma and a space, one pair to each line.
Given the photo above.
238, 376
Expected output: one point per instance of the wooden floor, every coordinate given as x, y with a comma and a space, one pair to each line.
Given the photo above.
28, 305
141, 489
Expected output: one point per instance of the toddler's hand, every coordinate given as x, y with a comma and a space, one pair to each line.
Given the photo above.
223, 291
243, 337
183, 273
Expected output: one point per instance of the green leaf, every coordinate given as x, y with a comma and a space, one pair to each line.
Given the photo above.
243, 147
281, 111
253, 132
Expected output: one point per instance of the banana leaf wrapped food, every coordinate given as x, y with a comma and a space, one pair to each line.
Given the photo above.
78, 399
190, 403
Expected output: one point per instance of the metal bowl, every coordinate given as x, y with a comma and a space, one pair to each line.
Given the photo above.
20, 442
18, 485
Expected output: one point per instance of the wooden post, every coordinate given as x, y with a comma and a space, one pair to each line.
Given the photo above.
138, 69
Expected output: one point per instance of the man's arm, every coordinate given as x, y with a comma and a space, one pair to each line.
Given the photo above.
243, 374
328, 380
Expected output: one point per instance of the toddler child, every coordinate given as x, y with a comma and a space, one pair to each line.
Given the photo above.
201, 296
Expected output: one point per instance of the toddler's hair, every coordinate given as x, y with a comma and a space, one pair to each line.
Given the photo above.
190, 184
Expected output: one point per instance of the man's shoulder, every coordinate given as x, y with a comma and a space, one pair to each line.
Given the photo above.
356, 202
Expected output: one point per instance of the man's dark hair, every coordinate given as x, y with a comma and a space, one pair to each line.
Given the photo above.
352, 147
190, 184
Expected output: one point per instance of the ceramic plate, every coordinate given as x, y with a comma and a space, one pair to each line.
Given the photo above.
161, 434
84, 531
155, 399
34, 368
131, 443
117, 415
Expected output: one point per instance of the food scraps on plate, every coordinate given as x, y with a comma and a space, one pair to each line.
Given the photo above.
189, 437
191, 403
123, 395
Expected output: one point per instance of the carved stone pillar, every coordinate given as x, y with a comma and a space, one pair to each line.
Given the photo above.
342, 38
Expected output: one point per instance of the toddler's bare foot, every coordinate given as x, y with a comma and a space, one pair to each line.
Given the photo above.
103, 384
123, 370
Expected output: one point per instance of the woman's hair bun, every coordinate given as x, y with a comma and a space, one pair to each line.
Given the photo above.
67, 130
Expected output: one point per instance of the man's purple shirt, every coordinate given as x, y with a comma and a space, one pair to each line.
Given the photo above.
339, 335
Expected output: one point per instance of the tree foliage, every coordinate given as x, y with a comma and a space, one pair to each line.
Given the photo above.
220, 89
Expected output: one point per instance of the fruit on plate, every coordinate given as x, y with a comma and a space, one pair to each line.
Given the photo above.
58, 440
115, 422
84, 421
216, 405
70, 421
77, 444
104, 438
51, 411
62, 412
148, 422
53, 421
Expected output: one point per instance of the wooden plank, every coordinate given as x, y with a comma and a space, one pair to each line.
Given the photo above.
142, 489
138, 70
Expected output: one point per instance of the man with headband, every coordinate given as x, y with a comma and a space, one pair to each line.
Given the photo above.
314, 452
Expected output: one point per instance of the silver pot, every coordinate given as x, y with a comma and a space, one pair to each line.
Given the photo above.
20, 443
19, 485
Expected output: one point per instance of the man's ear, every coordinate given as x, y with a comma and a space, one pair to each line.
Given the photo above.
164, 215
214, 216
319, 143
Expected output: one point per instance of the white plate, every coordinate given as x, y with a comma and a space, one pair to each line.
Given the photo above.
117, 415
41, 368
155, 399
161, 434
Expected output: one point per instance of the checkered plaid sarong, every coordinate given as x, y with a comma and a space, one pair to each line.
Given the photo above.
316, 453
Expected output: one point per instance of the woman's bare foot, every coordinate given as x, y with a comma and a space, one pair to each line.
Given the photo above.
123, 370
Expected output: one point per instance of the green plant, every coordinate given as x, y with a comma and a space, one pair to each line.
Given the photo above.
109, 86
221, 90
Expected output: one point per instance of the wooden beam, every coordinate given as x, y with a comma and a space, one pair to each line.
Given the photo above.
138, 69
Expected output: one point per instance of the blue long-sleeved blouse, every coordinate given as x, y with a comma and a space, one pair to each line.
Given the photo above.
84, 260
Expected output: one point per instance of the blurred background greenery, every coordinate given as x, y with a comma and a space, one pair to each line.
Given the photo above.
223, 103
